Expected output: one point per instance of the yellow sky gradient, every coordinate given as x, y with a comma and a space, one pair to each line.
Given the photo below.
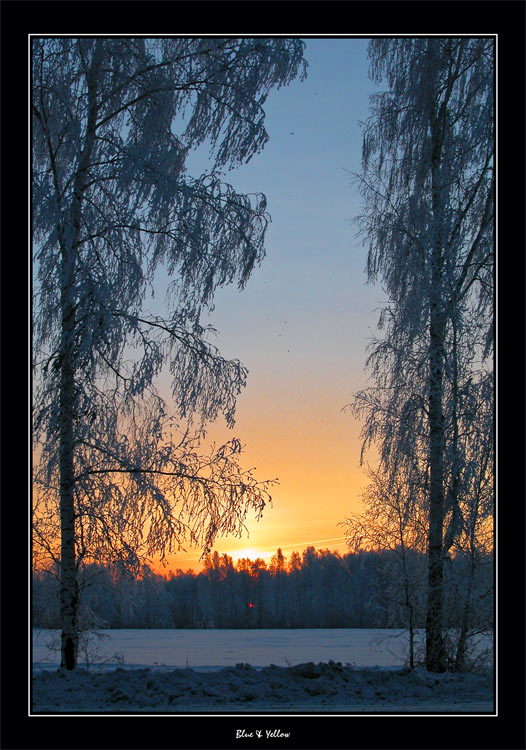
302, 323
302, 437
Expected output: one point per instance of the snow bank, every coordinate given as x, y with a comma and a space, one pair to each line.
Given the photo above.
307, 687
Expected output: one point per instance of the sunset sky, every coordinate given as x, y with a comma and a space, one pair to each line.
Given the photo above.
302, 324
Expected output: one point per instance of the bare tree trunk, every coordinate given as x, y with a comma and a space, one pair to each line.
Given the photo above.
411, 637
434, 634
435, 653
435, 661
460, 658
69, 591
68, 573
410, 610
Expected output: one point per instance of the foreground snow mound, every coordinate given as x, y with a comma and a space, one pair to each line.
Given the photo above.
306, 687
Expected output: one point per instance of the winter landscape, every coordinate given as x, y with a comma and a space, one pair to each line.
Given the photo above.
323, 209
247, 671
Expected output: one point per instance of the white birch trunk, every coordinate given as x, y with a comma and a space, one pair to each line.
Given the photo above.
69, 594
435, 657
434, 635
68, 581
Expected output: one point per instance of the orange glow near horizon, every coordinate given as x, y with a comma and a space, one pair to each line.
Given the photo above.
300, 436
312, 448
190, 561
302, 322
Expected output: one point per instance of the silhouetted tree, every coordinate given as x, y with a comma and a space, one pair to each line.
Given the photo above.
428, 185
112, 207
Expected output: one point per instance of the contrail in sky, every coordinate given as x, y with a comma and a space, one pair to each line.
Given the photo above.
299, 544
296, 544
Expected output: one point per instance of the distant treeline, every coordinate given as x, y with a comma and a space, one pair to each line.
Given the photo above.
318, 589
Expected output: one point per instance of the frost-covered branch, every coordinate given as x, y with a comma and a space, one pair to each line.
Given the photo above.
112, 203
428, 184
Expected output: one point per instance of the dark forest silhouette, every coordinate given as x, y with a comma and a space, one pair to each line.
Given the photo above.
318, 589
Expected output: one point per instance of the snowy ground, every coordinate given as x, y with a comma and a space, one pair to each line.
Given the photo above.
293, 671
223, 648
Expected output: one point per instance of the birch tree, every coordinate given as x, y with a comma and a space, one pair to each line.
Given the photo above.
428, 188
393, 522
120, 474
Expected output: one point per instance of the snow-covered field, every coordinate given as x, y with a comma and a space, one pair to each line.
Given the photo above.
232, 671
222, 648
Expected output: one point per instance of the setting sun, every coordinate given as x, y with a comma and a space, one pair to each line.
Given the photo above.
248, 552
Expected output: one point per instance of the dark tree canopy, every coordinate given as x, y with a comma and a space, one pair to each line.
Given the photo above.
428, 223
119, 470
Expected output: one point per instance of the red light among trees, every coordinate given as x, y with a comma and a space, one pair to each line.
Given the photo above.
250, 605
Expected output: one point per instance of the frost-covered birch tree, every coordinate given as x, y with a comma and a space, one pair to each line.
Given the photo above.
428, 222
393, 521
119, 471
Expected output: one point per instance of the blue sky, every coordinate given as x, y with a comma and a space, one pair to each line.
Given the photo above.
302, 323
